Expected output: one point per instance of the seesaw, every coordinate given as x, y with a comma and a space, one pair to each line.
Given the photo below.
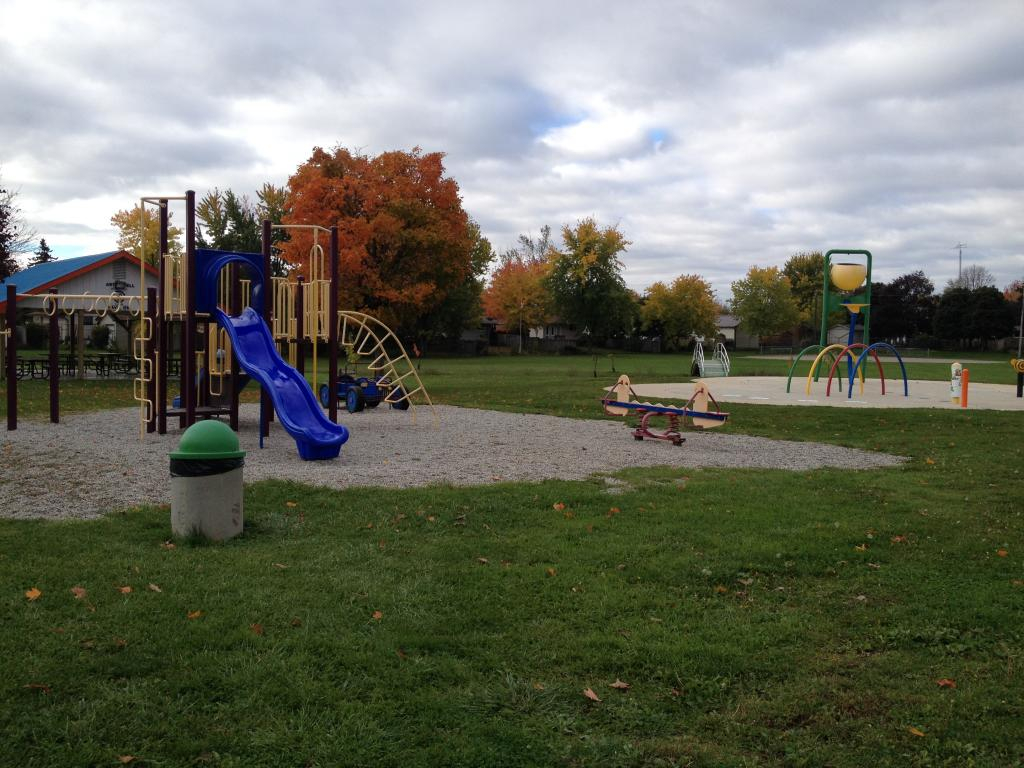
621, 400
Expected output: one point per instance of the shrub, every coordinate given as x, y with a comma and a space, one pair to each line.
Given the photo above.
100, 337
36, 336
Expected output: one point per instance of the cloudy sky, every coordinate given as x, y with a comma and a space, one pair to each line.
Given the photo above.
716, 135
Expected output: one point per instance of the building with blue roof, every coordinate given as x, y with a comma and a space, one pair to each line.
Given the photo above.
100, 274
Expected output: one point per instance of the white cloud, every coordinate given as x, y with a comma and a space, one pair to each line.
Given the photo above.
716, 136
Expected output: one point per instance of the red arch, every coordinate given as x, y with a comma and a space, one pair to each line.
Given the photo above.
832, 370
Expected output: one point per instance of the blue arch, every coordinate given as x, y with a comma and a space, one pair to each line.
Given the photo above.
208, 266
856, 367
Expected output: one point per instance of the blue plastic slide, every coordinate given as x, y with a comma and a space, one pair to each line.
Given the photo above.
316, 436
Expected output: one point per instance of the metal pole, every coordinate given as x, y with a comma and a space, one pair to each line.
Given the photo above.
1020, 328
300, 346
235, 309
332, 328
267, 293
12, 358
54, 364
188, 361
162, 327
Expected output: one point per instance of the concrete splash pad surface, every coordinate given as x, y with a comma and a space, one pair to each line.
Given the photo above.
771, 390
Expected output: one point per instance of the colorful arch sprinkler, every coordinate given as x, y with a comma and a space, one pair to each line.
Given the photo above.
847, 284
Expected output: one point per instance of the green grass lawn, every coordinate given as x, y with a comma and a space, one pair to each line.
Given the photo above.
758, 617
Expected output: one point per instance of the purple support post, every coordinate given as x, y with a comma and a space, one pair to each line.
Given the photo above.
150, 355
300, 339
235, 309
54, 364
266, 405
161, 328
332, 328
12, 358
188, 361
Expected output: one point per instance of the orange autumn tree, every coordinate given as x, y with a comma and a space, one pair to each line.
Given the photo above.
407, 247
517, 296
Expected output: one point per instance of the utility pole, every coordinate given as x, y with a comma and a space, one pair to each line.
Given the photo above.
960, 264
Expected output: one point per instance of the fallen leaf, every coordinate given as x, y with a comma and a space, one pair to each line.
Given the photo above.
33, 594
861, 548
120, 642
296, 622
282, 566
39, 687
168, 545
538, 686
153, 588
125, 590
401, 653
613, 511
290, 504
482, 560
590, 528
928, 461
125, 759
194, 614
946, 683
898, 539
1002, 552
619, 685
431, 519
569, 515
257, 629
589, 693
675, 692
721, 589
558, 506
78, 592
378, 615
915, 731
551, 571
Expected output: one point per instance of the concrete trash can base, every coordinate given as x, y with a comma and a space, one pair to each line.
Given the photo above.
206, 483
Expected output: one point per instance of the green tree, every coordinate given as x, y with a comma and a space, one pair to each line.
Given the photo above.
682, 309
463, 306
585, 279
139, 233
904, 308
764, 301
992, 316
42, 255
226, 221
15, 234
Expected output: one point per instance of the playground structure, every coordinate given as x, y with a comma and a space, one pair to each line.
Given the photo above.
718, 365
621, 400
847, 285
232, 320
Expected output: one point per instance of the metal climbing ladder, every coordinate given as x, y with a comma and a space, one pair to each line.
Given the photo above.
365, 336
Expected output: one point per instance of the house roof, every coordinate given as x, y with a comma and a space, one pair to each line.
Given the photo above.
728, 321
42, 277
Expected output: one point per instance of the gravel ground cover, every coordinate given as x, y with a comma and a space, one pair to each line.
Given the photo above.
95, 463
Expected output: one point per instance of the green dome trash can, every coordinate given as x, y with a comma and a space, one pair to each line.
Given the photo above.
206, 482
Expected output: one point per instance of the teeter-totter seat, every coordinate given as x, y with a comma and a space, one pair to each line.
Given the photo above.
621, 400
